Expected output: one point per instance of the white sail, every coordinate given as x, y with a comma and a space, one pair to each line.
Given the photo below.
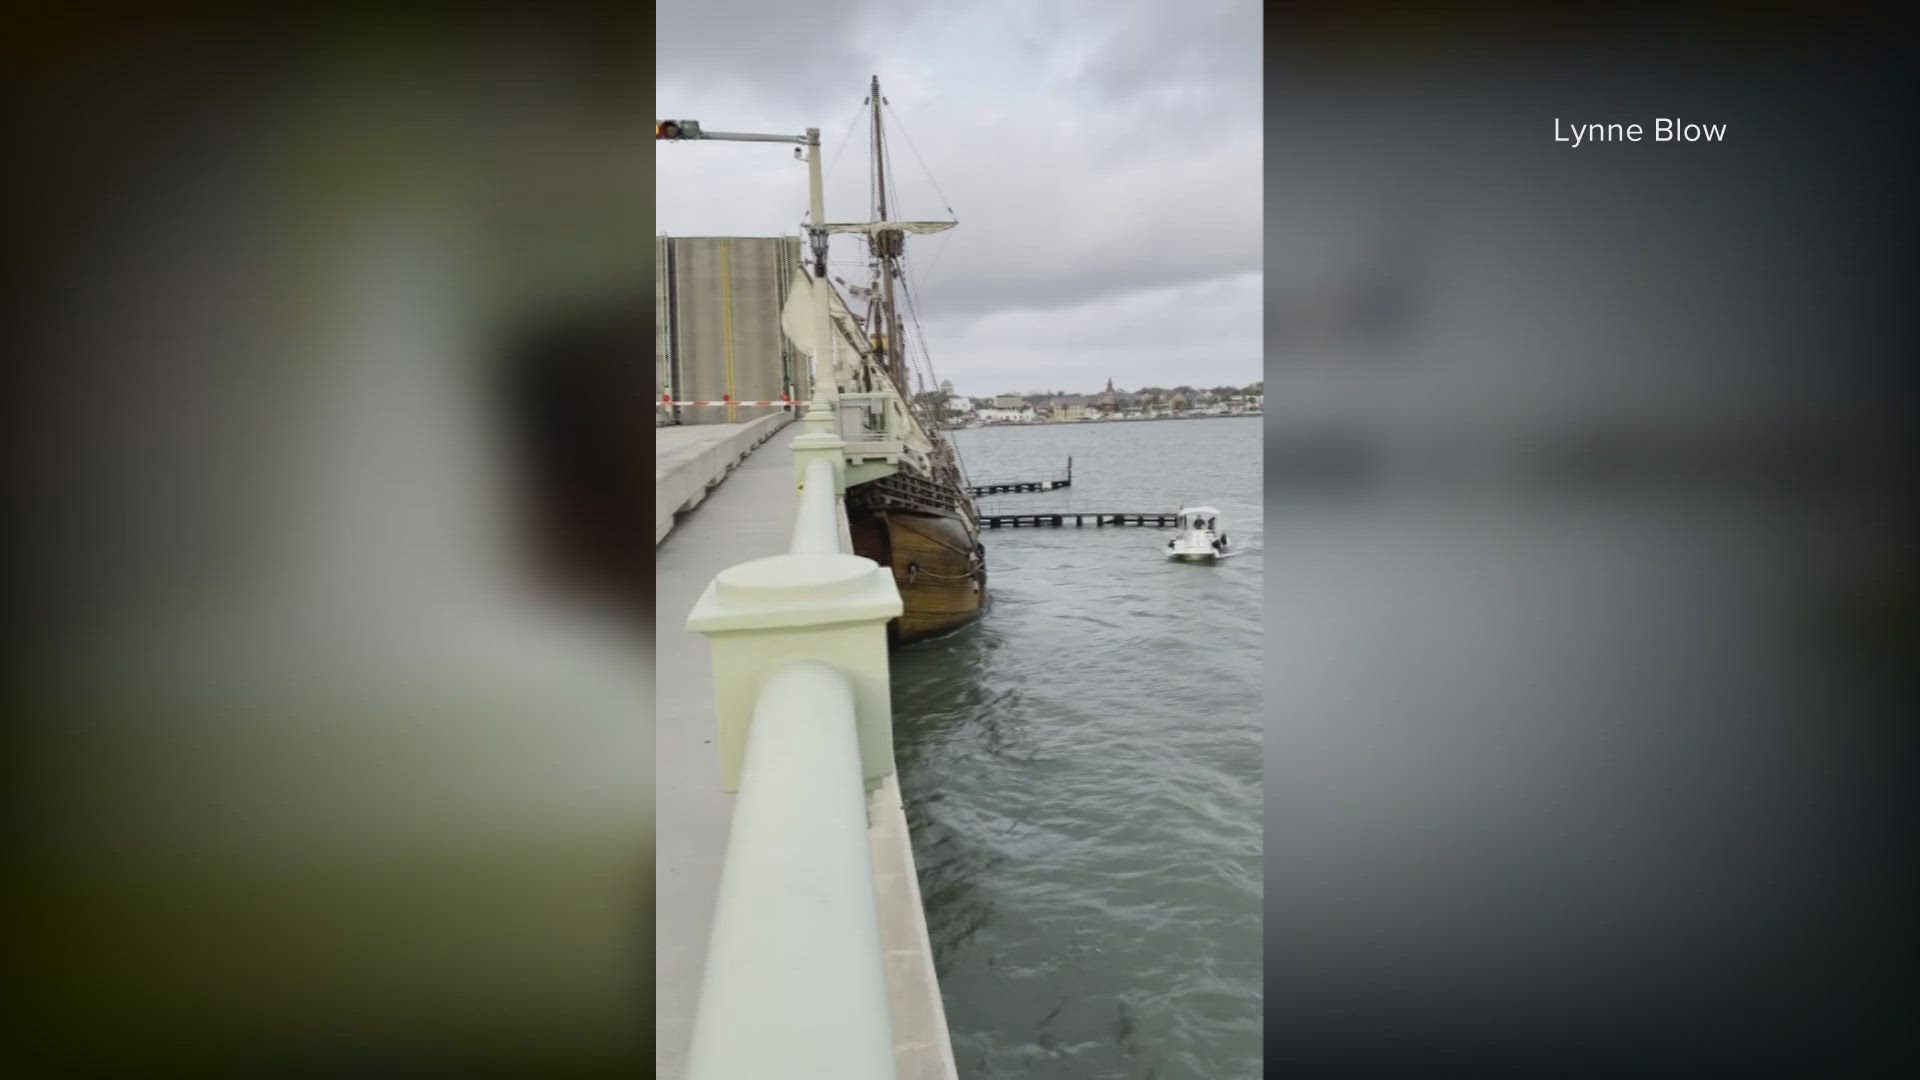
797, 320
869, 227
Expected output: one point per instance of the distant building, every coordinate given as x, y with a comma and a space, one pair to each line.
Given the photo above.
1070, 407
1109, 402
1023, 414
1011, 401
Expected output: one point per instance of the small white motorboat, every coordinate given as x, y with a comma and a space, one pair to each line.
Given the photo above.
1200, 535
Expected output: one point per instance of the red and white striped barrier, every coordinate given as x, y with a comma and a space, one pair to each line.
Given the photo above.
670, 403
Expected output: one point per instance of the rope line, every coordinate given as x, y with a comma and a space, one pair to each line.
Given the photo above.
916, 570
834, 160
907, 135
936, 541
915, 359
920, 338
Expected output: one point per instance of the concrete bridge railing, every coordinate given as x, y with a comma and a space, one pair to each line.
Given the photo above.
795, 982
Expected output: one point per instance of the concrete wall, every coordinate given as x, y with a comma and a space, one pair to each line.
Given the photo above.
922, 1045
721, 298
686, 468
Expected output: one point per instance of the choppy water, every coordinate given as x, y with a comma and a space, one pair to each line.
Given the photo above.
1083, 768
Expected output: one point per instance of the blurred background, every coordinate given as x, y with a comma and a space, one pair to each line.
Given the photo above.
1593, 608
1591, 631
332, 744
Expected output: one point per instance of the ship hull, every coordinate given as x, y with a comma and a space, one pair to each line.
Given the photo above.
936, 565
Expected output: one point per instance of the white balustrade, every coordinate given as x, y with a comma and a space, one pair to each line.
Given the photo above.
816, 528
795, 984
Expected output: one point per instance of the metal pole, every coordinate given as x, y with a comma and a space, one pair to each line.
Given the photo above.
743, 136
819, 438
825, 391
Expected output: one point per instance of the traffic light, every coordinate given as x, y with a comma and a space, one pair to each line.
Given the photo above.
676, 129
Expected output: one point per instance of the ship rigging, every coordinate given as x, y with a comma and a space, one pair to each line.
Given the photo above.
907, 495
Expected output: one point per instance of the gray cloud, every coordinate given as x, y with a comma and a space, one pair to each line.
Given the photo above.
759, 44
1104, 160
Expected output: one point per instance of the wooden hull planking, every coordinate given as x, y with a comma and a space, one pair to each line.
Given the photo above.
932, 558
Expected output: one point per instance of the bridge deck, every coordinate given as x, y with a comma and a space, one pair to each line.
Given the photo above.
748, 516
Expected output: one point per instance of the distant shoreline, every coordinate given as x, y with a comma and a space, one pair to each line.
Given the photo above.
1096, 423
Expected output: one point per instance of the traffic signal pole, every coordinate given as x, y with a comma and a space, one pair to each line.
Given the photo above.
824, 392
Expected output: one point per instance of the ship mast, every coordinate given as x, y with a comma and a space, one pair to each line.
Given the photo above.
886, 246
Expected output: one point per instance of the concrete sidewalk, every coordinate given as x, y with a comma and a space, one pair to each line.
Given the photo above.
750, 516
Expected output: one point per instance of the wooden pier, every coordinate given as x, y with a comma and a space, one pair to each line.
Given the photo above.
1078, 518
1017, 485
1004, 487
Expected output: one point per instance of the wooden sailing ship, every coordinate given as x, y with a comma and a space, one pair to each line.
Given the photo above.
918, 519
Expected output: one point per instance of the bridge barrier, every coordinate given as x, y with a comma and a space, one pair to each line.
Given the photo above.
796, 982
681, 485
816, 528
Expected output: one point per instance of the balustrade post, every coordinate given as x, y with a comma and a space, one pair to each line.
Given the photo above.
820, 441
763, 614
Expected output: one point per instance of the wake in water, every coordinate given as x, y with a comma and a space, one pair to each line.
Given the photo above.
1217, 557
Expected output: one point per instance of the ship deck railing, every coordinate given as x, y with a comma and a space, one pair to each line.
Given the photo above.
876, 416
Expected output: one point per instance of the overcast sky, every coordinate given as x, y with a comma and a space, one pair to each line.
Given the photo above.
1103, 159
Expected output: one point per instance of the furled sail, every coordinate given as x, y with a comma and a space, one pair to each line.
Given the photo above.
870, 227
797, 320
